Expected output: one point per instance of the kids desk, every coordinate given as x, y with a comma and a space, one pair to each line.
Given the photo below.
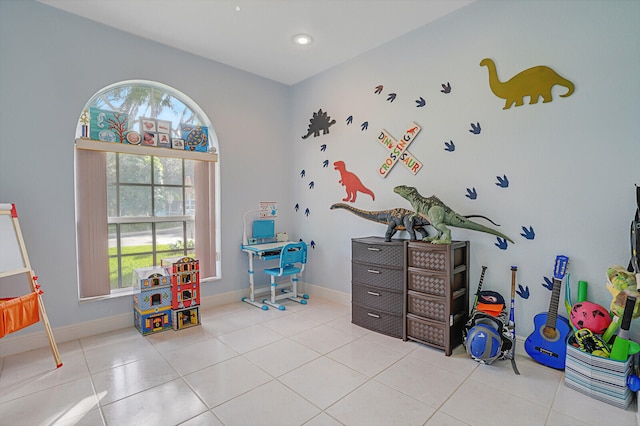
267, 251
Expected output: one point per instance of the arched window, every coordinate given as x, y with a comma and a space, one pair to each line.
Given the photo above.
146, 185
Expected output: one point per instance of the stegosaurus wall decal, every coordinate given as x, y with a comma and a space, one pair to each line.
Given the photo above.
320, 122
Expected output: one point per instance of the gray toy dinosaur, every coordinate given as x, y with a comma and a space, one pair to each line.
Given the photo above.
441, 216
397, 219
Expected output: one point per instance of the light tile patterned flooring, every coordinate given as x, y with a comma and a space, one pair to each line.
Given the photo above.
307, 365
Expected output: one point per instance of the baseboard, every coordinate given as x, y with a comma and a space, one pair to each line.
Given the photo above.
10, 345
327, 293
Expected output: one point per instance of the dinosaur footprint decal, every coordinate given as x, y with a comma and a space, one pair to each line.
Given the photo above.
523, 291
528, 233
449, 146
503, 182
472, 194
351, 182
475, 128
502, 244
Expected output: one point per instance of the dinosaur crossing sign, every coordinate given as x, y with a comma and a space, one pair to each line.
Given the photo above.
398, 150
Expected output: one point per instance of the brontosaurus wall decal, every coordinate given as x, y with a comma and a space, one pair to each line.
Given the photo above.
533, 82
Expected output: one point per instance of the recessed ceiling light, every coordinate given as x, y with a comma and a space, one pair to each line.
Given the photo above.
302, 39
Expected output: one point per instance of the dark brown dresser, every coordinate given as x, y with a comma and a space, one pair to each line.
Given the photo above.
436, 293
377, 282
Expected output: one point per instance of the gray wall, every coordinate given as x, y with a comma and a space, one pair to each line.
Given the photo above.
572, 163
51, 64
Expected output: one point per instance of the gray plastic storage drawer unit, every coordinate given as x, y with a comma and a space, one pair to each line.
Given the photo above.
377, 282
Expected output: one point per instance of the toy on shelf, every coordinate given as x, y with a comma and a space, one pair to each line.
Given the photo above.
441, 216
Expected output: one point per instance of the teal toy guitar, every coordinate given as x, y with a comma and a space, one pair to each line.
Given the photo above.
547, 344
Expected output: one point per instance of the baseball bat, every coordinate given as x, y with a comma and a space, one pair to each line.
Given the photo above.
512, 319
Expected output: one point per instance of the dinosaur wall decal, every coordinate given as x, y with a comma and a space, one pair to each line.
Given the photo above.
533, 82
441, 216
351, 182
319, 122
398, 219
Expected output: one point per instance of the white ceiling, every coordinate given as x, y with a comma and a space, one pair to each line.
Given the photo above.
256, 35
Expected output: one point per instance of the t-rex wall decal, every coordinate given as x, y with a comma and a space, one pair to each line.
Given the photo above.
351, 182
319, 122
533, 82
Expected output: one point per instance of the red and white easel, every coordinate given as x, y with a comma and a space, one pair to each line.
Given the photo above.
20, 312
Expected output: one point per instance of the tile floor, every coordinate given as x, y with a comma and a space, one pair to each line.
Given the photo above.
307, 365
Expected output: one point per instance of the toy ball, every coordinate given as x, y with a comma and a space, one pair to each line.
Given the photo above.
633, 382
591, 316
483, 343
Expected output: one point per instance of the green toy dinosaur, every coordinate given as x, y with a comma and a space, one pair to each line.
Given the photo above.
620, 278
441, 216
398, 219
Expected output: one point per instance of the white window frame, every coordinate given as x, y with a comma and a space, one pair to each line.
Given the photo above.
91, 205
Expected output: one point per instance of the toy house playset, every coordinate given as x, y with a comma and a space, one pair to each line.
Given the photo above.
151, 299
167, 296
185, 291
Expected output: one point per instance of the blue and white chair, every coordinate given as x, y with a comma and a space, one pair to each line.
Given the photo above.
293, 258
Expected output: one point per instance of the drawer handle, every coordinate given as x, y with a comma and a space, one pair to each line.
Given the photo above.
373, 315
373, 293
373, 271
373, 248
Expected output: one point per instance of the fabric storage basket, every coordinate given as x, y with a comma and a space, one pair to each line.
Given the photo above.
600, 378
18, 313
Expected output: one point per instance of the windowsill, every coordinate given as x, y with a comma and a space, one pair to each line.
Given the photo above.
128, 292
122, 292
92, 145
